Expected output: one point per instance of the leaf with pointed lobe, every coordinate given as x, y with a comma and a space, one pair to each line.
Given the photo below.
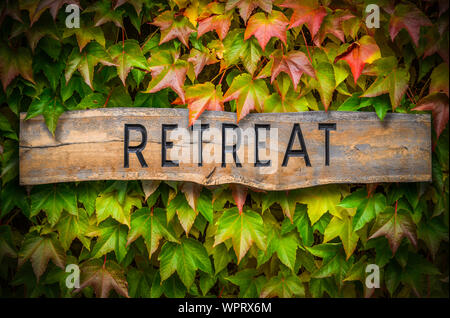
103, 277
394, 225
249, 94
173, 27
250, 284
167, 71
438, 104
86, 61
283, 286
409, 17
246, 7
343, 228
293, 63
86, 34
440, 79
185, 258
214, 18
127, 55
53, 199
152, 225
200, 59
13, 63
264, 27
201, 97
360, 53
306, 12
243, 229
332, 24
39, 249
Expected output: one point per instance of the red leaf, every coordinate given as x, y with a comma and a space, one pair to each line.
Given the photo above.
239, 193
173, 27
203, 97
294, 63
220, 23
438, 104
308, 12
407, 16
264, 27
332, 24
359, 54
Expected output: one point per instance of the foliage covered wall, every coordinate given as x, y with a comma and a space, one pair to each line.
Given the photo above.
152, 239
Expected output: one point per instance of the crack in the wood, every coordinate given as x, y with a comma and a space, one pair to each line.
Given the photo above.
69, 143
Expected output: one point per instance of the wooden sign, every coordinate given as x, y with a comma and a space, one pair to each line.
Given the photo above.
267, 151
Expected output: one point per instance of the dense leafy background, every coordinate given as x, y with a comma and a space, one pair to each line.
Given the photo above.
152, 239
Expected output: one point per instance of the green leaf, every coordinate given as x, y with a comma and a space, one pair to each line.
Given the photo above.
283, 286
117, 205
112, 237
243, 229
185, 258
72, 226
367, 207
53, 199
250, 284
39, 250
320, 200
49, 106
151, 224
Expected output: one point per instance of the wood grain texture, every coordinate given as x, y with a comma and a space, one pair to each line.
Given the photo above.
89, 145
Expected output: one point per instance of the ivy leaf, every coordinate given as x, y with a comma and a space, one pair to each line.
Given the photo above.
105, 13
49, 106
151, 224
236, 49
250, 284
186, 215
53, 5
86, 61
112, 236
344, 229
110, 203
283, 286
306, 12
291, 103
13, 63
7, 247
12, 195
264, 27
432, 232
40, 249
127, 55
103, 277
294, 63
167, 71
395, 83
360, 53
219, 23
320, 200
409, 17
367, 207
246, 7
243, 229
72, 226
249, 93
239, 193
200, 59
201, 97
394, 225
185, 258
173, 27
86, 34
87, 194
287, 201
332, 24
53, 199
438, 104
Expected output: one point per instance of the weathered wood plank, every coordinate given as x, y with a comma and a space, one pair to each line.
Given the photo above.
89, 145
